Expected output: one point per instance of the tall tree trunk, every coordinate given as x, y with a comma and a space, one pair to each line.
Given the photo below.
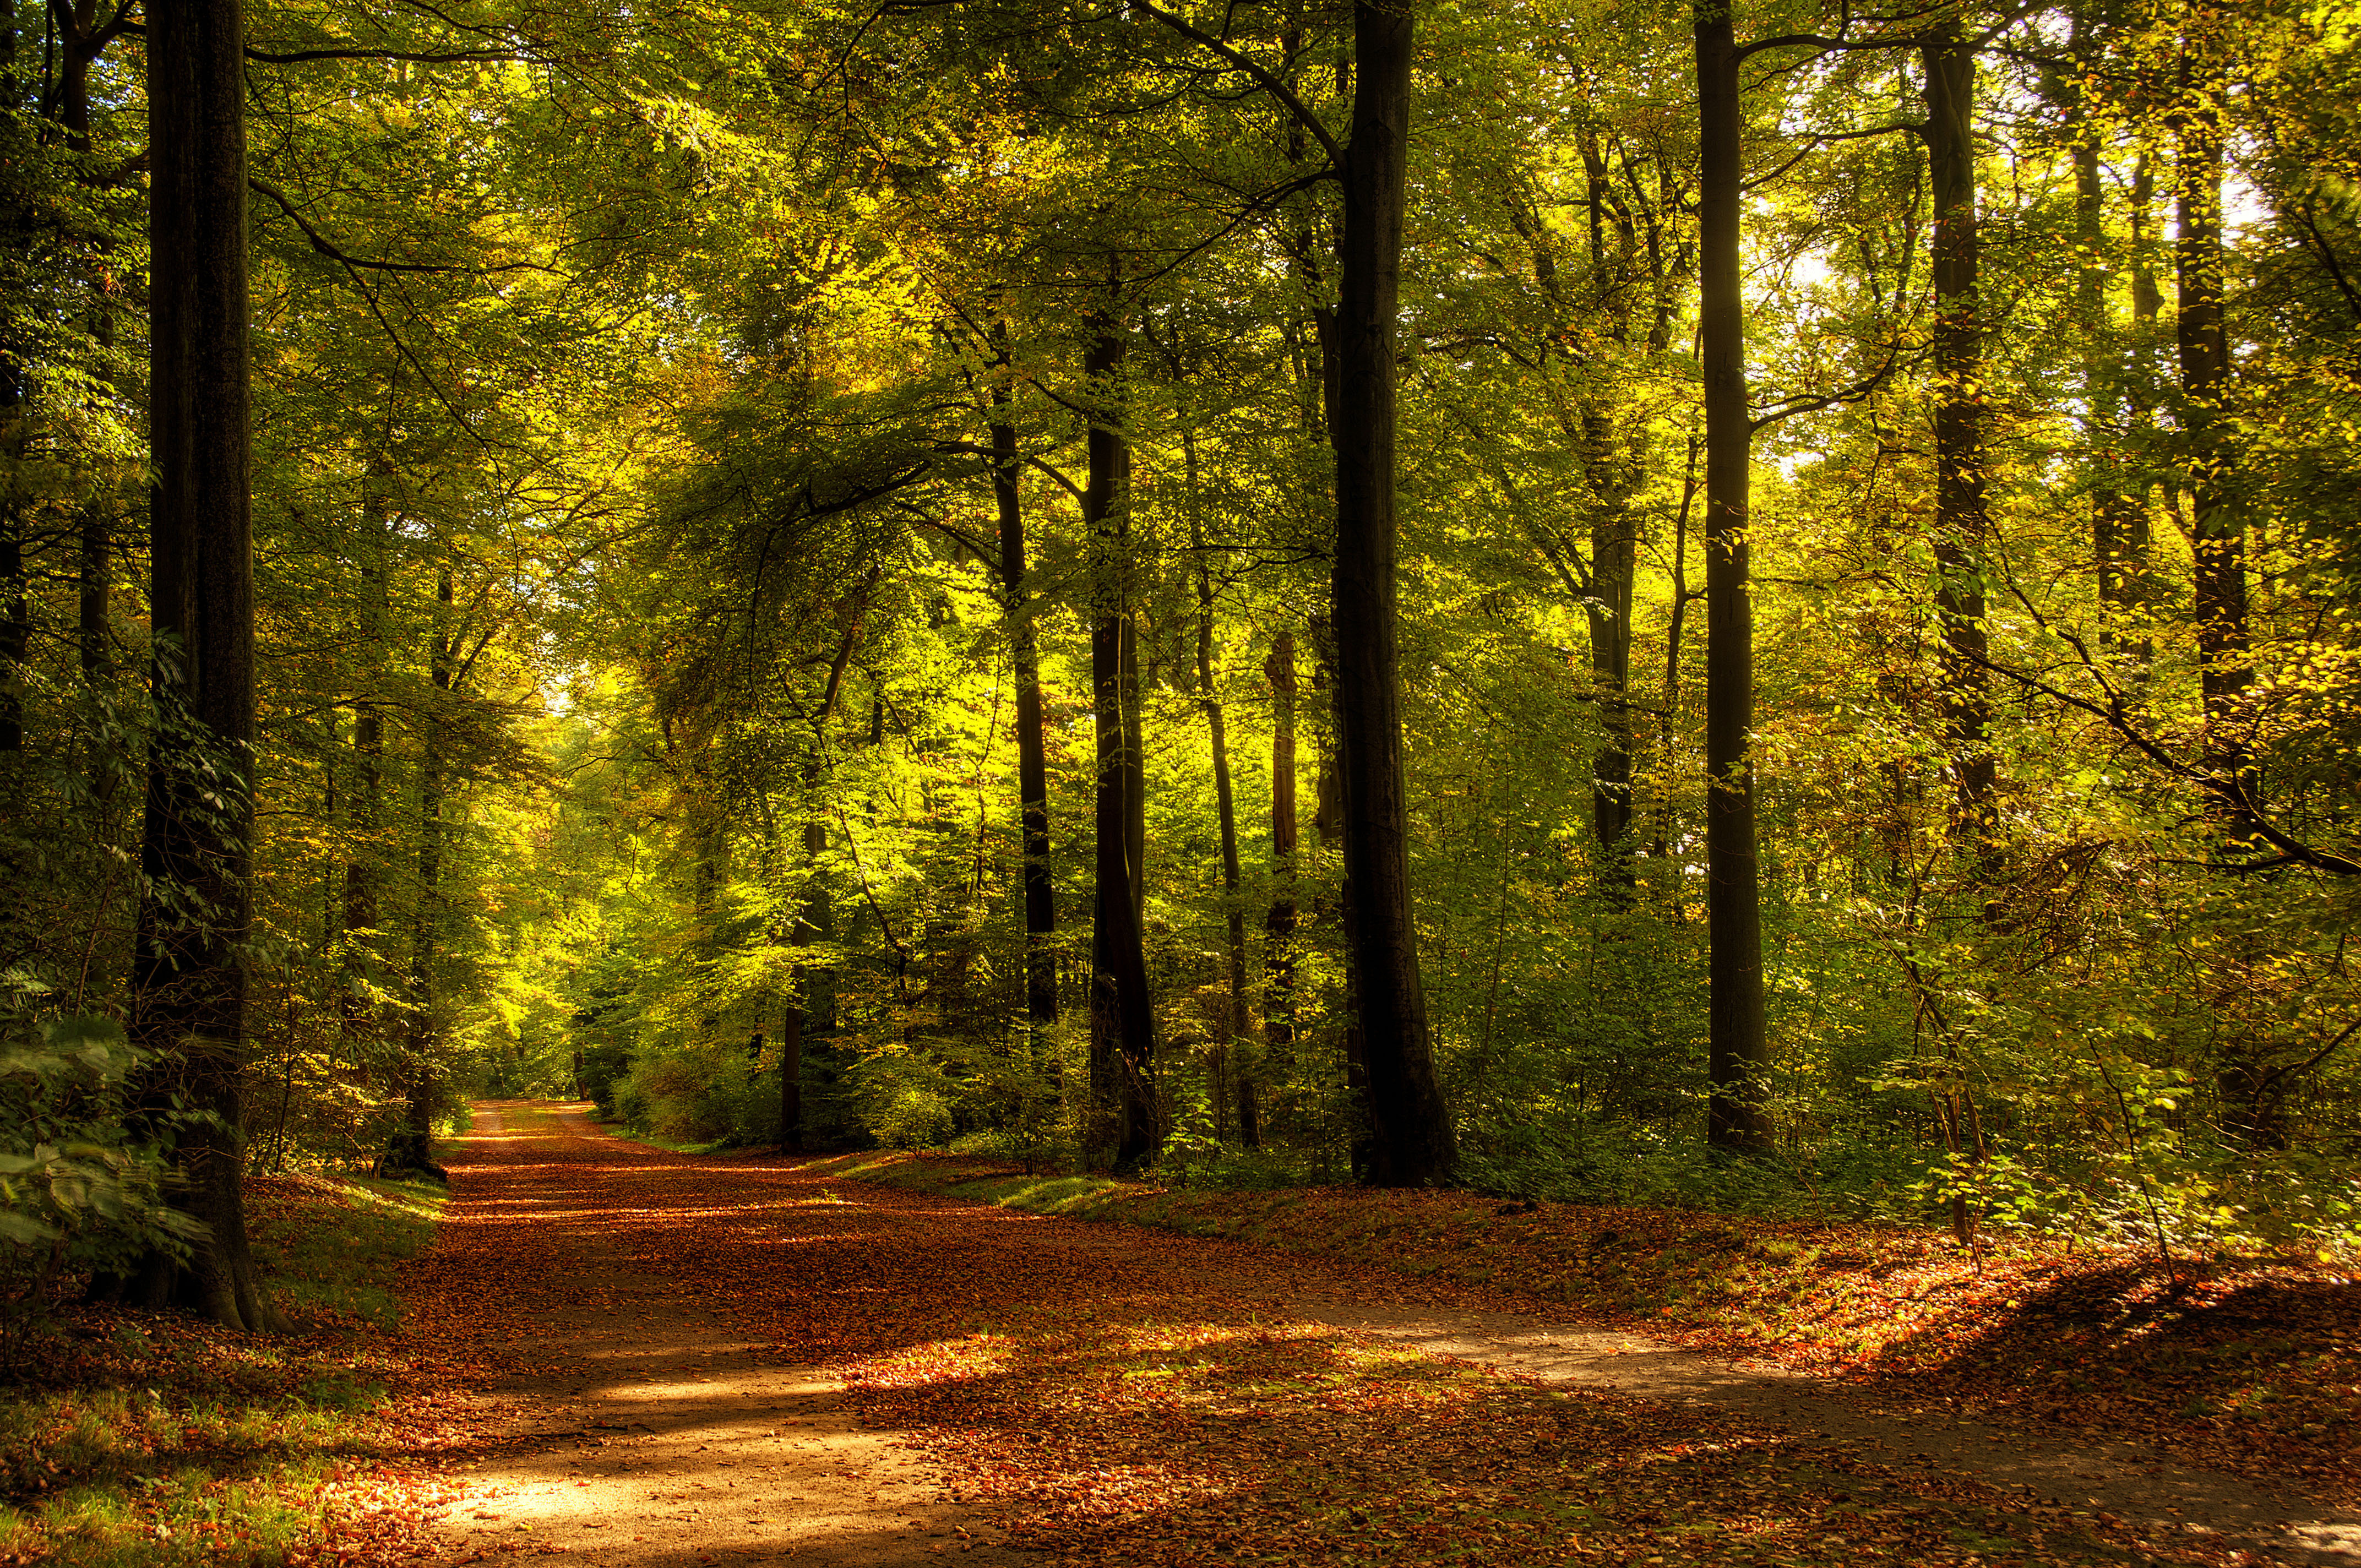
1032, 760
19, 103
1122, 1024
1225, 808
813, 1006
1959, 521
1660, 845
197, 841
1413, 1144
1134, 763
412, 1148
2220, 542
2119, 524
361, 879
1614, 556
1614, 564
1278, 922
97, 513
791, 1077
1739, 1050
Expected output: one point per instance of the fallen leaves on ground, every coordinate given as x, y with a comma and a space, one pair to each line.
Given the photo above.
1114, 1395
1107, 1395
155, 1438
2254, 1367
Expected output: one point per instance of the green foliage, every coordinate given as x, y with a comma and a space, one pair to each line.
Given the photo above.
77, 1187
135, 1439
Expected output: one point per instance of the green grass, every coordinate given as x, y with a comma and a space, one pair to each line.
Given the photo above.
670, 1146
132, 1440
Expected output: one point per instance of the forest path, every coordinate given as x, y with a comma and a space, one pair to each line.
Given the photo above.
1123, 1395
631, 1425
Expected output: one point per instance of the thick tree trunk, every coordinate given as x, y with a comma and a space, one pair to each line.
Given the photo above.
1959, 521
1032, 760
1410, 1125
196, 847
1738, 1049
1122, 1120
2220, 542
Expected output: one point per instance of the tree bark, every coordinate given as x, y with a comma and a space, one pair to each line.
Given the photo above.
1960, 519
1278, 922
1737, 1048
412, 1148
2119, 524
1614, 563
1226, 809
1413, 1144
791, 1077
2219, 540
196, 842
1122, 1022
361, 912
1032, 760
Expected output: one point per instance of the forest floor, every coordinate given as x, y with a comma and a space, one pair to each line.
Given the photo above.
2251, 1366
654, 1360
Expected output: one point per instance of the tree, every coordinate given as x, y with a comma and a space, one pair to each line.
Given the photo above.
197, 849
1741, 1049
1413, 1144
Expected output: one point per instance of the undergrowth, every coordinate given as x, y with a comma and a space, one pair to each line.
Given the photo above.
136, 1440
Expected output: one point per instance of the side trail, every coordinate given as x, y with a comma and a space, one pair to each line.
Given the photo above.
668, 1338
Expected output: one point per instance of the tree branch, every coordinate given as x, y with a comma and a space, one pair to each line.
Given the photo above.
333, 252
1269, 84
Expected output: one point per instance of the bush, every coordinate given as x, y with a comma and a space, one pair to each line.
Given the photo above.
78, 1189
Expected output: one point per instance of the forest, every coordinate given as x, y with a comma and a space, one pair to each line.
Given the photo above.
1746, 606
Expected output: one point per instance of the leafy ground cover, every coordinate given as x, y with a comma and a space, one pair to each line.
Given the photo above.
134, 1440
1116, 1396
2252, 1367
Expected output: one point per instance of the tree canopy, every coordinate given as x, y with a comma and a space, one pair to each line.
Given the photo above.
1747, 605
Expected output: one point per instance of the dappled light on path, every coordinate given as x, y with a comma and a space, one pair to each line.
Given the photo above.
710, 1360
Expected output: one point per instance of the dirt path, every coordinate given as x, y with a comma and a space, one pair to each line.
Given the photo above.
634, 1425
1117, 1395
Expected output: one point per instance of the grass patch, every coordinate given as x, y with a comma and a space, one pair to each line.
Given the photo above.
135, 1439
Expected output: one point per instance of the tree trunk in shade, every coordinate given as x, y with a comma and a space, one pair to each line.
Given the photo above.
1960, 522
1122, 1111
1738, 1045
1411, 1141
196, 840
